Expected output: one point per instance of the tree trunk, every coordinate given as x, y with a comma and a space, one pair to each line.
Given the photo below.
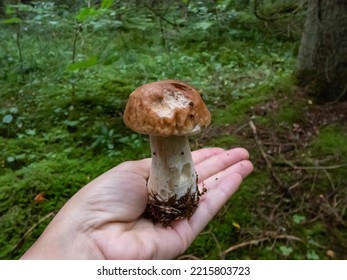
2, 8
322, 60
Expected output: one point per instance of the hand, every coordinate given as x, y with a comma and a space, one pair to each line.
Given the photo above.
103, 220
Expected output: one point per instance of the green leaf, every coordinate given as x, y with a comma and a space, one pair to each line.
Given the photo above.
7, 118
91, 61
14, 110
21, 7
312, 255
298, 219
11, 20
30, 132
204, 25
10, 159
85, 13
71, 123
286, 251
139, 23
9, 10
105, 4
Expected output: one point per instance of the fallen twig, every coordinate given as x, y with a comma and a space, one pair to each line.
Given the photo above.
263, 154
260, 240
313, 167
188, 257
285, 162
29, 231
209, 232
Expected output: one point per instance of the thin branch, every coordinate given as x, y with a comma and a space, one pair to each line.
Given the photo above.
313, 167
215, 240
29, 231
78, 30
215, 10
260, 240
188, 257
333, 211
344, 91
275, 15
19, 46
255, 11
159, 15
265, 157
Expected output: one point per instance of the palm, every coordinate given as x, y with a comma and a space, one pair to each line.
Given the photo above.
115, 210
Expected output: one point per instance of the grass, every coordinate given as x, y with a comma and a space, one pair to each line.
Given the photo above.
65, 128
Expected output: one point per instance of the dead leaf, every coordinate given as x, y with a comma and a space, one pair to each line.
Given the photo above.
330, 253
236, 225
40, 197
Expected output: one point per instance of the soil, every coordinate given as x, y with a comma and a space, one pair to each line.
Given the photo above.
166, 212
314, 117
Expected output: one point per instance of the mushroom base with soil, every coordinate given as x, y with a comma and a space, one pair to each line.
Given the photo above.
165, 212
173, 182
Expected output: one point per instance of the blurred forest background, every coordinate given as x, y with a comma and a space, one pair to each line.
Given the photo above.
67, 68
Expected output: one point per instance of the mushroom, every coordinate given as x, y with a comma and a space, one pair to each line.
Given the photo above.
169, 111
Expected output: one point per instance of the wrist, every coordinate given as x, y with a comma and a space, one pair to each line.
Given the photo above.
63, 240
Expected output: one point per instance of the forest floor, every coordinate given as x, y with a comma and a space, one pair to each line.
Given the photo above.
63, 92
293, 206
297, 192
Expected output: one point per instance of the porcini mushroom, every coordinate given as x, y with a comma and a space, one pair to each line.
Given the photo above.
169, 111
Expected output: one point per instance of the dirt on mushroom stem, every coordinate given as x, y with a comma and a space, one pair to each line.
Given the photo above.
166, 212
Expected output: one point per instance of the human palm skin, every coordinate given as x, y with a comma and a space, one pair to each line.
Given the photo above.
104, 219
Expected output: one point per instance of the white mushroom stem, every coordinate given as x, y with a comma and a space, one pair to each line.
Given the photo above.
172, 170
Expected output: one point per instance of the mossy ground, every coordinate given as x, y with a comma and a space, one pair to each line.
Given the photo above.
293, 208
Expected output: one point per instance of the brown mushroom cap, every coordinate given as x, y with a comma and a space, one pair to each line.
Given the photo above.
166, 108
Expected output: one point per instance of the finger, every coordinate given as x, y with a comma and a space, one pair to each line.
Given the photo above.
244, 168
220, 162
213, 200
140, 167
203, 154
143, 166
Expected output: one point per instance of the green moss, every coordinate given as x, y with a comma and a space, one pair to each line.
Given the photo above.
331, 140
227, 227
225, 141
58, 178
235, 110
288, 114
